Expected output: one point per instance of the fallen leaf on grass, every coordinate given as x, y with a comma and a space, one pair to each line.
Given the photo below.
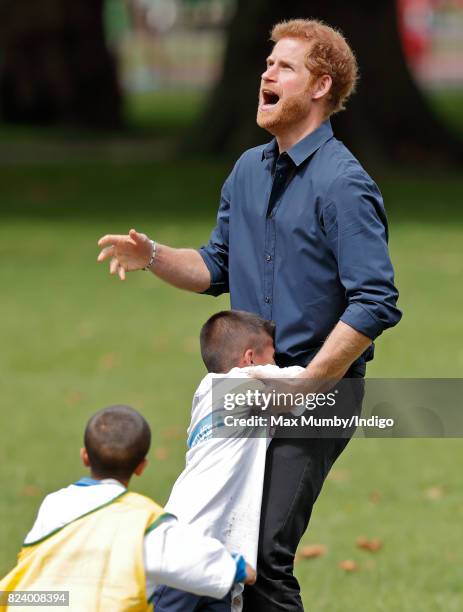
369, 545
312, 551
348, 565
30, 491
190, 345
160, 343
433, 493
86, 329
337, 475
109, 361
375, 497
173, 433
74, 398
161, 453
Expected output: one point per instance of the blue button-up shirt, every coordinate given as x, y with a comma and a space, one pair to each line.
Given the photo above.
301, 238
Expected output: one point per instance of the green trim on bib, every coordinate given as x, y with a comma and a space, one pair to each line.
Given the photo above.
159, 520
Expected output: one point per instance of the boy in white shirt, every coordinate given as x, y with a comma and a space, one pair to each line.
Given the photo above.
110, 548
220, 489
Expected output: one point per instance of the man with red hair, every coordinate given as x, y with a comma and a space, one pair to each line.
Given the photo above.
301, 239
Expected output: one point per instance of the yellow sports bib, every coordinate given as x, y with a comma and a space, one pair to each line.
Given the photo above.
98, 558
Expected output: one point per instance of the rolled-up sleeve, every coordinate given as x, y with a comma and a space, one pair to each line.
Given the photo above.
215, 253
356, 227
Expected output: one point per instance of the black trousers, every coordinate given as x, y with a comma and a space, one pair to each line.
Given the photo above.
295, 471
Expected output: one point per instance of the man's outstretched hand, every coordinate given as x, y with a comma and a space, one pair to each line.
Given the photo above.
127, 252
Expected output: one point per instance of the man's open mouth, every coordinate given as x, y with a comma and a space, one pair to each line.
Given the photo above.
269, 99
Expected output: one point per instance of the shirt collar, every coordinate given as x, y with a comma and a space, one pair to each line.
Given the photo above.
305, 147
86, 481
270, 149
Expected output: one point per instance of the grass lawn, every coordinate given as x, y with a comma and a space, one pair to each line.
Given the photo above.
75, 339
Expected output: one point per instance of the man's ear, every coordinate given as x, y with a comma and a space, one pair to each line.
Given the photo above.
141, 467
321, 87
84, 457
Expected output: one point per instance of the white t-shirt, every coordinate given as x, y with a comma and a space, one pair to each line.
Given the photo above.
220, 489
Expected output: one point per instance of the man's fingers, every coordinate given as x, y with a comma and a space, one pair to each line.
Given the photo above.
116, 246
136, 236
115, 239
108, 240
106, 253
113, 266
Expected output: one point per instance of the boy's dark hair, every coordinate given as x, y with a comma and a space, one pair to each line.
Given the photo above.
227, 334
117, 439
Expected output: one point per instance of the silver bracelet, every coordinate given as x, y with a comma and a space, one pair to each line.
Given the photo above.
147, 268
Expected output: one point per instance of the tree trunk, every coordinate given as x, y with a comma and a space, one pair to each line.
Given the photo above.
388, 117
54, 64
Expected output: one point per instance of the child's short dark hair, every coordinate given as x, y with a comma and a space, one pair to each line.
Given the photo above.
227, 334
117, 439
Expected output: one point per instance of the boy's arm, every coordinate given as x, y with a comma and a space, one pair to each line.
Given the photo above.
179, 556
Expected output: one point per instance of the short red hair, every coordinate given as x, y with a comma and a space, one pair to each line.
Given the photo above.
329, 53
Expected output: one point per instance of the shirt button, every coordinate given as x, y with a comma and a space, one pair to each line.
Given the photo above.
268, 258
267, 299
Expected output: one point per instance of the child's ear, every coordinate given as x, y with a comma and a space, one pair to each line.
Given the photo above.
247, 359
84, 457
141, 467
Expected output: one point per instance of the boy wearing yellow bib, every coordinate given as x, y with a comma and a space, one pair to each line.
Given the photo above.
109, 547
